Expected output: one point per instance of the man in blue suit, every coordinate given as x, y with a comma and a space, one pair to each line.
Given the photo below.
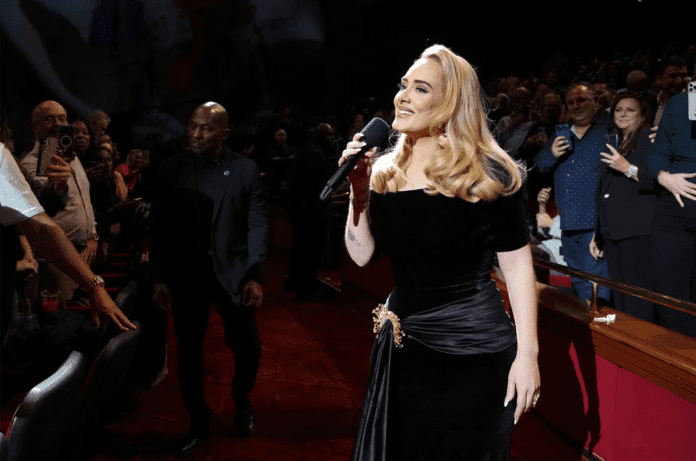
574, 168
208, 245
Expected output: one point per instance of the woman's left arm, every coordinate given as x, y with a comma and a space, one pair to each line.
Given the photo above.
523, 380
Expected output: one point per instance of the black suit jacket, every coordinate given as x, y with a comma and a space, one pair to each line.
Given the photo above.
629, 204
236, 220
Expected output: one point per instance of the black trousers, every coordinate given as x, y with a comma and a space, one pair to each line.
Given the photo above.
674, 258
191, 301
628, 261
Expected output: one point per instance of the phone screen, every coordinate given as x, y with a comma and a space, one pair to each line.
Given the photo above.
47, 150
564, 130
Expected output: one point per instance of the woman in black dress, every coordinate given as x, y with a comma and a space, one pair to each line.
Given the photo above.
450, 373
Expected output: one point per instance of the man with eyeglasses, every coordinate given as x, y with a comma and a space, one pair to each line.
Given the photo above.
65, 184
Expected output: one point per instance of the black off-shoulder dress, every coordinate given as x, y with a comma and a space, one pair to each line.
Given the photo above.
440, 396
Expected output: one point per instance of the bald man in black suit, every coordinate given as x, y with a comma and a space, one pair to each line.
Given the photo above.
208, 245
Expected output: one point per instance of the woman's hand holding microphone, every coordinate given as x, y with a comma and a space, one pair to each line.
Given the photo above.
360, 176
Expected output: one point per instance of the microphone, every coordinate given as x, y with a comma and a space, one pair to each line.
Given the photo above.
373, 134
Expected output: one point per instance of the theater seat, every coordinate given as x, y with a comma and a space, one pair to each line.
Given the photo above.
105, 377
4, 448
42, 419
127, 298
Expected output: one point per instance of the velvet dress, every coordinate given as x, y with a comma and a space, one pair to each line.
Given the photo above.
440, 395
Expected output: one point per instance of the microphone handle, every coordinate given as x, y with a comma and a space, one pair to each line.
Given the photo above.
342, 173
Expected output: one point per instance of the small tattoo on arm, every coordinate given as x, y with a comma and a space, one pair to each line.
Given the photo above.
352, 238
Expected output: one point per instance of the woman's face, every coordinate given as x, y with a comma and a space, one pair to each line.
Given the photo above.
106, 158
627, 116
420, 93
81, 139
135, 159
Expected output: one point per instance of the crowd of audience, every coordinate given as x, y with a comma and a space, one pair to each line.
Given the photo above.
99, 195
608, 172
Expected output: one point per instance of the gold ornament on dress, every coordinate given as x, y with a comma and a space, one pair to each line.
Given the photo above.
380, 315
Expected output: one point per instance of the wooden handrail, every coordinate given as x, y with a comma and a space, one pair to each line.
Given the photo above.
642, 293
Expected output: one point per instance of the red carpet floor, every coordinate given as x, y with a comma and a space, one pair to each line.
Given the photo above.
307, 398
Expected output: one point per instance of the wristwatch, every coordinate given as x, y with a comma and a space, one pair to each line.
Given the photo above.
96, 281
631, 171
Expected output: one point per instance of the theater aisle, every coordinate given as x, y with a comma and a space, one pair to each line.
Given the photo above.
313, 374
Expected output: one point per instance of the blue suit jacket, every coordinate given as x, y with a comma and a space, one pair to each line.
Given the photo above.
674, 150
576, 174
238, 222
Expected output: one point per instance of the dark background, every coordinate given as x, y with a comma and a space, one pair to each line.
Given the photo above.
316, 56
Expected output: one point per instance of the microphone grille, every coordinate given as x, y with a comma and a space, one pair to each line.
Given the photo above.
374, 132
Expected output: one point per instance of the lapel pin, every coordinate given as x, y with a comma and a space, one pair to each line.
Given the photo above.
227, 172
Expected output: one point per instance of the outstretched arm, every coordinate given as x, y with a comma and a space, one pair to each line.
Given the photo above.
50, 240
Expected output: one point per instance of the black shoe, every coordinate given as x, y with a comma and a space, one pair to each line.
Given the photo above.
190, 441
245, 417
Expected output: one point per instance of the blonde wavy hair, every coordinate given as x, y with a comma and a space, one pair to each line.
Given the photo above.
470, 164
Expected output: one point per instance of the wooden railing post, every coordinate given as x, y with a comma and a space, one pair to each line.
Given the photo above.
594, 312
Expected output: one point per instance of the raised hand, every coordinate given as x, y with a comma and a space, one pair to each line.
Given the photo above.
560, 146
60, 173
678, 185
615, 160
